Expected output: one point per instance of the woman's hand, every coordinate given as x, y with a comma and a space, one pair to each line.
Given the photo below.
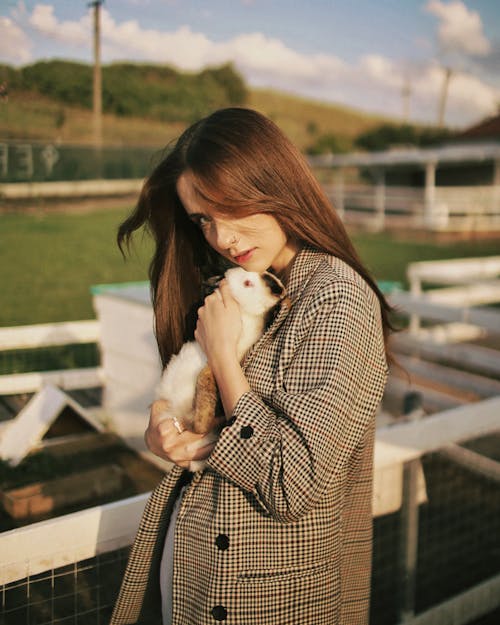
218, 331
219, 326
164, 440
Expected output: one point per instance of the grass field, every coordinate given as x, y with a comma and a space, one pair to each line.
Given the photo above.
304, 120
30, 116
49, 261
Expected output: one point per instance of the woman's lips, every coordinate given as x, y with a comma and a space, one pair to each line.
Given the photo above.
244, 256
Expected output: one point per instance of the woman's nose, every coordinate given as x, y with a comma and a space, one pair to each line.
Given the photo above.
225, 236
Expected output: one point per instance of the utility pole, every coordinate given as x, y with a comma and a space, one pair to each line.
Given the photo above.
97, 86
406, 94
444, 95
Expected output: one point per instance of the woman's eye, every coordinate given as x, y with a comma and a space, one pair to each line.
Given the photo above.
200, 220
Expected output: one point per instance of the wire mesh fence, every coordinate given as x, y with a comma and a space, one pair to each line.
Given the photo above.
43, 162
72, 356
455, 538
82, 593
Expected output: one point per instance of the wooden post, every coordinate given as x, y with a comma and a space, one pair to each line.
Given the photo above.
412, 408
4, 159
97, 85
430, 193
379, 199
409, 541
496, 189
415, 290
339, 192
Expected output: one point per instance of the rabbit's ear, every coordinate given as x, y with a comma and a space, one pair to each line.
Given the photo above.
210, 284
275, 285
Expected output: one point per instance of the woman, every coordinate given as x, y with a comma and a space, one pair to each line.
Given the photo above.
277, 529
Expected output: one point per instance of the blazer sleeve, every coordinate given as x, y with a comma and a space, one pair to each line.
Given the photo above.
286, 451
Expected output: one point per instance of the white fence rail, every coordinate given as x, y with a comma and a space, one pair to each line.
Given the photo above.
425, 306
453, 208
48, 545
470, 284
48, 335
70, 188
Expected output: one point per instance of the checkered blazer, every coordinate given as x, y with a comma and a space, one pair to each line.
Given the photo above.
278, 530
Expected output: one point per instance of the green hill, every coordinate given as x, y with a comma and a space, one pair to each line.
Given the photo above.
149, 105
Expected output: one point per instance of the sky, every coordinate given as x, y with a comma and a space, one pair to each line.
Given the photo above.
378, 56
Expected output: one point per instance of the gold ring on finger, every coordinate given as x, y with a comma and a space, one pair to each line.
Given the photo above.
177, 425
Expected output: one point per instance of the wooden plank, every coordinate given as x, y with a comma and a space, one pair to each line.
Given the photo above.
432, 400
482, 360
70, 188
456, 271
422, 306
75, 443
67, 379
476, 294
406, 441
472, 461
387, 495
49, 334
450, 333
436, 376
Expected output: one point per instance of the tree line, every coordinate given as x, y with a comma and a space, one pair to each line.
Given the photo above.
128, 89
164, 93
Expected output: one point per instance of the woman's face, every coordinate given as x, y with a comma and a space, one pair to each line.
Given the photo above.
256, 242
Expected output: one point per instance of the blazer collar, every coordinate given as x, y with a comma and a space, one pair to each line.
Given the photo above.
304, 265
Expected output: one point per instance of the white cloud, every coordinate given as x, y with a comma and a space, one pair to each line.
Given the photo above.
43, 20
460, 29
15, 46
373, 83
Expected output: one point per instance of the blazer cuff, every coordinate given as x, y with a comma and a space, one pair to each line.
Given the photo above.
246, 444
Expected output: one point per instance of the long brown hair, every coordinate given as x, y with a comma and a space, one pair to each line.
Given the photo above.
241, 163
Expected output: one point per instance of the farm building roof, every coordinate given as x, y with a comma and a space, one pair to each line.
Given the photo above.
21, 434
413, 156
487, 129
